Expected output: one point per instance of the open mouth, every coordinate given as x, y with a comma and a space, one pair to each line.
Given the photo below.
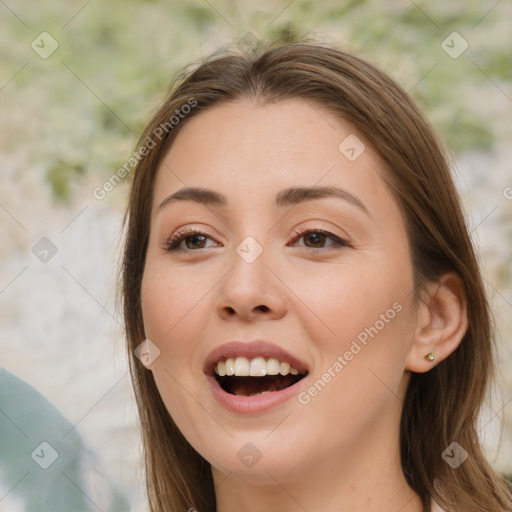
249, 377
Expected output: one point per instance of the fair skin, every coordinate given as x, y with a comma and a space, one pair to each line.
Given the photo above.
311, 296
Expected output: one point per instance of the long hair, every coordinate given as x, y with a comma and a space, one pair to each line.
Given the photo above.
442, 405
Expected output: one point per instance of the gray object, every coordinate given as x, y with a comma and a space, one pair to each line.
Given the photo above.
43, 460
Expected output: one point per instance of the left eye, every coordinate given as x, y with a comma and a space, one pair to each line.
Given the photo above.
317, 238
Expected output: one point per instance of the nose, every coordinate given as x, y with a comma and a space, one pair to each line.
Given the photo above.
251, 291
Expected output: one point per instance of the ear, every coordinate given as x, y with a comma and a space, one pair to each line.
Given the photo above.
441, 322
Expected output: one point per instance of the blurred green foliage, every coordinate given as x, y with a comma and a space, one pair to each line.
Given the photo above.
60, 175
116, 60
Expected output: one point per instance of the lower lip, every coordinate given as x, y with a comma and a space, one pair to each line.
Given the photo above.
251, 404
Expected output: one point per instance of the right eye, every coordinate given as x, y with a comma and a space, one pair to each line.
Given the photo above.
193, 240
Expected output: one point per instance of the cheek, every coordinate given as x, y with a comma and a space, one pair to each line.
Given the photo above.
347, 299
170, 297
361, 381
369, 309
171, 321
171, 303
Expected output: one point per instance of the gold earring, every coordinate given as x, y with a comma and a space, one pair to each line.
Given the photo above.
430, 356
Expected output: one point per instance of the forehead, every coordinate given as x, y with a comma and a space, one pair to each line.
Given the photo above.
251, 151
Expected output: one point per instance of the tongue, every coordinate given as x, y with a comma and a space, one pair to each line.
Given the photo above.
251, 385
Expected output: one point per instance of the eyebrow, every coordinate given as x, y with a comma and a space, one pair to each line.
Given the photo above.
286, 197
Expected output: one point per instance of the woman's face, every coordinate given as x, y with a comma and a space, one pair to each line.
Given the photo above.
319, 280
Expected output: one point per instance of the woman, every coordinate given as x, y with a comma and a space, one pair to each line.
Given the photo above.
306, 320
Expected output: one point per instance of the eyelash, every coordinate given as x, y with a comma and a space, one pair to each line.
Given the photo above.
172, 245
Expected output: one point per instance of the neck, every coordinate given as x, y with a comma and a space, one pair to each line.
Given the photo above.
364, 474
369, 480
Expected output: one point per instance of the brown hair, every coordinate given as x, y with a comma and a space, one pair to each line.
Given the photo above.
442, 405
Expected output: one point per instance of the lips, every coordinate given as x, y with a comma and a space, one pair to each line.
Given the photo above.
242, 389
251, 350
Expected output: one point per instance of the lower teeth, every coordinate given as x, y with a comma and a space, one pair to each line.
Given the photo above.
245, 386
258, 393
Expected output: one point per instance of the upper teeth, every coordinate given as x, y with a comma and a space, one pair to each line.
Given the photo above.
256, 367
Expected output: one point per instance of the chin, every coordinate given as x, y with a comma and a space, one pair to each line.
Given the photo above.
258, 462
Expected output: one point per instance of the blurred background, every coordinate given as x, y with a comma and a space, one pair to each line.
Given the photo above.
78, 81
